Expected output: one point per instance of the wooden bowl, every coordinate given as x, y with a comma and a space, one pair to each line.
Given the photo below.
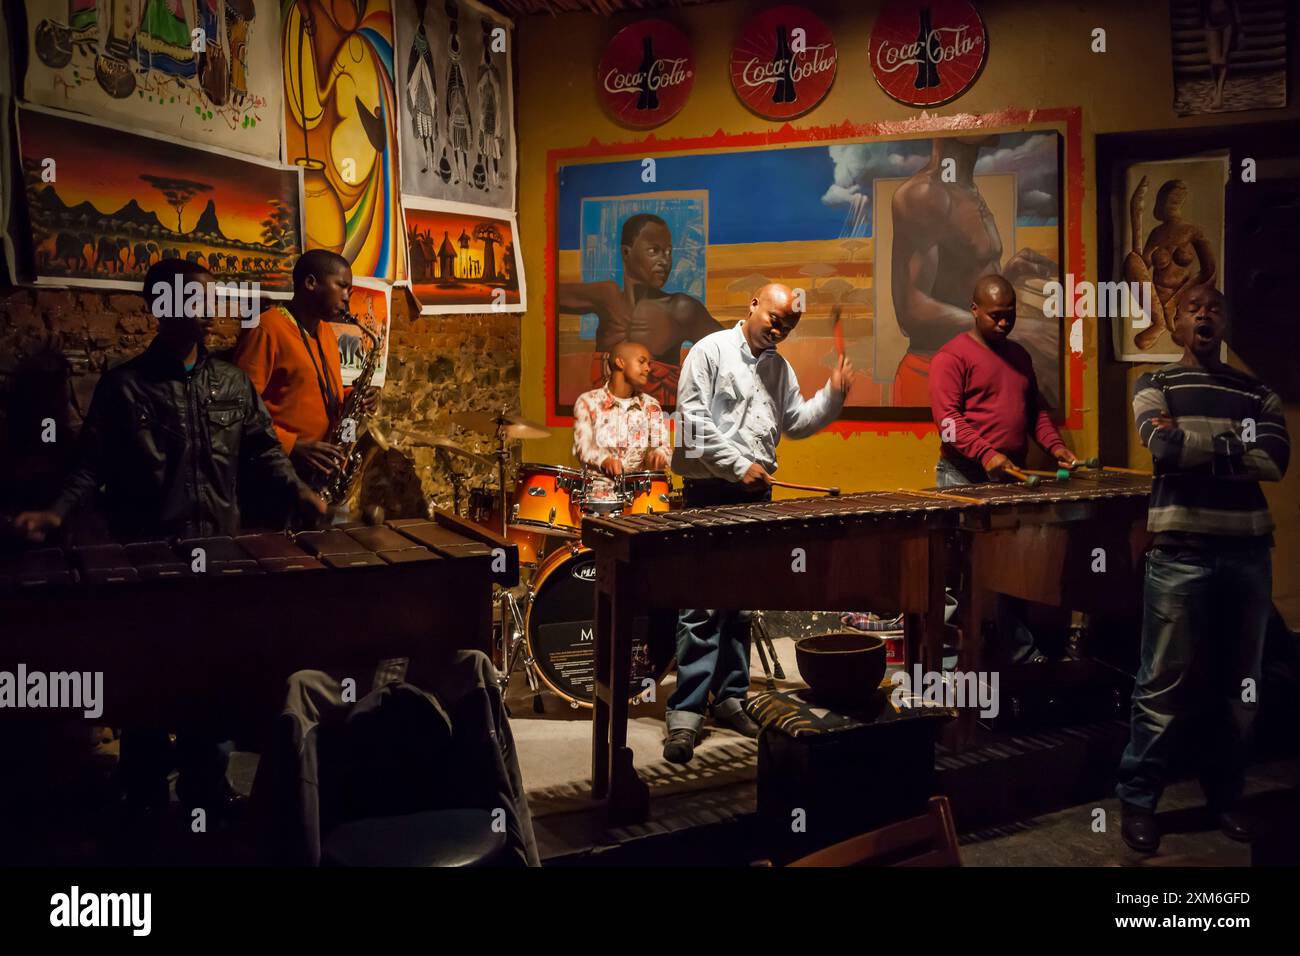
842, 668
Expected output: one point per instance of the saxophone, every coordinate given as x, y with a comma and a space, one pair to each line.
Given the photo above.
347, 431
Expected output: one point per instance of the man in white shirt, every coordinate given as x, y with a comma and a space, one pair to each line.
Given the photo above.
736, 398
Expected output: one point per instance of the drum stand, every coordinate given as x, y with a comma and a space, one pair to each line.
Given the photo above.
762, 640
511, 645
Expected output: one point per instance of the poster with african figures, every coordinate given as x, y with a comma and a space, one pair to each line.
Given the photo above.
105, 204
456, 102
206, 71
464, 258
341, 128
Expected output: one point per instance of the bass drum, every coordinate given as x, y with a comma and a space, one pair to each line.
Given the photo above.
561, 633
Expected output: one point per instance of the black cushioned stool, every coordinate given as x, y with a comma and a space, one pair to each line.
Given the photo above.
432, 838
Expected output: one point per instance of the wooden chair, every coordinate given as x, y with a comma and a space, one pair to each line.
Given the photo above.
927, 840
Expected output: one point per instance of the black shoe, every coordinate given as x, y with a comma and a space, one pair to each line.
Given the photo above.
1139, 829
1235, 824
680, 745
739, 721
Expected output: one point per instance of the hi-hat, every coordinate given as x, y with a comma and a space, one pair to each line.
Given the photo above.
446, 444
514, 426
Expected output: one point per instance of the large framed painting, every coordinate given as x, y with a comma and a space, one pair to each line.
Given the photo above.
464, 258
455, 102
340, 126
105, 203
889, 234
205, 71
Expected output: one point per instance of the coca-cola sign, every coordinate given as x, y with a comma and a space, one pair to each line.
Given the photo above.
928, 52
646, 74
783, 62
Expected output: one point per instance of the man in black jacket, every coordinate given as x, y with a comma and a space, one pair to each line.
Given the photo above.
170, 431
166, 438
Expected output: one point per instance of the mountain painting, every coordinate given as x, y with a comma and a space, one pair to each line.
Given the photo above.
105, 204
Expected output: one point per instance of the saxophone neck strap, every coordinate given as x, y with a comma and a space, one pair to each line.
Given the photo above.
323, 381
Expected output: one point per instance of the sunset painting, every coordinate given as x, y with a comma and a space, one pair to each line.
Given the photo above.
463, 259
106, 204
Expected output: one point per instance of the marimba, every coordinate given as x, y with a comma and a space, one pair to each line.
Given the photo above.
875, 549
206, 631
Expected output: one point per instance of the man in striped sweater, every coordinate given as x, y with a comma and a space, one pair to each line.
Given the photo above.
1214, 434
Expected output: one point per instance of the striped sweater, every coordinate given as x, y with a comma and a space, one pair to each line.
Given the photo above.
1229, 434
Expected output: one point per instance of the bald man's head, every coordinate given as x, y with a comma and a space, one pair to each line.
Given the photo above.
993, 306
772, 317
630, 361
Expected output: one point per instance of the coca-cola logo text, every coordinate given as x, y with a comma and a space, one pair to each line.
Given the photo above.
941, 45
663, 74
802, 65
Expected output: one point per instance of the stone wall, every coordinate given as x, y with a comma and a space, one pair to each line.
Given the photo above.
438, 365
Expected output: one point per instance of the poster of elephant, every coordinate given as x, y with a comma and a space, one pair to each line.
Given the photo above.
455, 102
104, 204
370, 304
206, 71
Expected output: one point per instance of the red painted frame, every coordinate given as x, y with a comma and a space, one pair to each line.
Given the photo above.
1070, 116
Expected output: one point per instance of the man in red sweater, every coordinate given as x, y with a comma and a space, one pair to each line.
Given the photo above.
984, 397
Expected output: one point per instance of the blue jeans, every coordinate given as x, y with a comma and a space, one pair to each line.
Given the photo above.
1204, 619
1010, 611
712, 645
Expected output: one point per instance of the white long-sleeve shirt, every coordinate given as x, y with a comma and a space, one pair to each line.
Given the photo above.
733, 407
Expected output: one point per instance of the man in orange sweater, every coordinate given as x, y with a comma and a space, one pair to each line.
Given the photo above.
292, 356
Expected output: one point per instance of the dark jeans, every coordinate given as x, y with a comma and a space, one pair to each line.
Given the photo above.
1203, 625
1014, 633
712, 645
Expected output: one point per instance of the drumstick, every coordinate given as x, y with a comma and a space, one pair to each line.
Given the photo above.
833, 492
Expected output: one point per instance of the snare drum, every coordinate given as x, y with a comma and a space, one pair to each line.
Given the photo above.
647, 492
544, 500
601, 496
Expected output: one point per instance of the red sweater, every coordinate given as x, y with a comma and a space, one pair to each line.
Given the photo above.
991, 401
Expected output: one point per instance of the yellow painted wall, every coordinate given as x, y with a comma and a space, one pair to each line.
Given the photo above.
1039, 57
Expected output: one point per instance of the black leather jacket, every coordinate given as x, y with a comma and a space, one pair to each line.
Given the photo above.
168, 447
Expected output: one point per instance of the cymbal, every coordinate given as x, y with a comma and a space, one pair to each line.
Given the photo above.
446, 444
485, 423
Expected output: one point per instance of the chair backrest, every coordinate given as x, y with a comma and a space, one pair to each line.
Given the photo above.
927, 840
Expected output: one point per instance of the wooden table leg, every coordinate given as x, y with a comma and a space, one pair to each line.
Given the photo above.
970, 613
629, 797
600, 775
932, 658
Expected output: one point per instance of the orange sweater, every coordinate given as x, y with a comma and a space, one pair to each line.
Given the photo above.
276, 359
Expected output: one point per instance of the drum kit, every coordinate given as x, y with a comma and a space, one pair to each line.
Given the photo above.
548, 621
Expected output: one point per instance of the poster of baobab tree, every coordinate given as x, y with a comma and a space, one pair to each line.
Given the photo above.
463, 258
105, 203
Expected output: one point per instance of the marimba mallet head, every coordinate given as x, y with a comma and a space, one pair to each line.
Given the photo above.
1063, 474
833, 492
1031, 481
1092, 463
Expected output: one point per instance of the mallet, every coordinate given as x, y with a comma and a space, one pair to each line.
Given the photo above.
1031, 481
833, 492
